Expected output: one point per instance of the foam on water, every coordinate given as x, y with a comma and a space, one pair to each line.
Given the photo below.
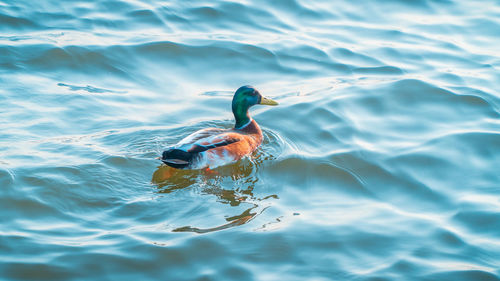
380, 163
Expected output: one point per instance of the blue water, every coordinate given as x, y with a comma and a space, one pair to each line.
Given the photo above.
380, 163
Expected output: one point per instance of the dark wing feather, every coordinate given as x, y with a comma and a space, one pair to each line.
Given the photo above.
196, 148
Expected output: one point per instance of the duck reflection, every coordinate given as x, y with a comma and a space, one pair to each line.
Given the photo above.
242, 177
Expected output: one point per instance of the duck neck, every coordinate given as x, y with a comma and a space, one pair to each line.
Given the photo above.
241, 116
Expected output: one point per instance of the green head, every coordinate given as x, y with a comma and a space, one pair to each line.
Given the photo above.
244, 98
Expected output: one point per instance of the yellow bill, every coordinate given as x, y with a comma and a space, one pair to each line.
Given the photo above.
267, 101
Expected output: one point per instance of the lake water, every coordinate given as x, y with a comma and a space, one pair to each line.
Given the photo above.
382, 161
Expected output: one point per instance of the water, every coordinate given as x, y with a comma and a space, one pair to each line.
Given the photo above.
381, 162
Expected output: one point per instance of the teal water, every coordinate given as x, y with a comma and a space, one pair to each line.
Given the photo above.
380, 163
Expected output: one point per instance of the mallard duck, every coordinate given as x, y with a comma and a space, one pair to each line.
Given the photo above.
214, 147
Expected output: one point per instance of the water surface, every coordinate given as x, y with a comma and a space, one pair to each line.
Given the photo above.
381, 162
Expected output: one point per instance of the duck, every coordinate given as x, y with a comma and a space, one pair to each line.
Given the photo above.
213, 147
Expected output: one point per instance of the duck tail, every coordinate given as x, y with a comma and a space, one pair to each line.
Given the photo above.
177, 158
